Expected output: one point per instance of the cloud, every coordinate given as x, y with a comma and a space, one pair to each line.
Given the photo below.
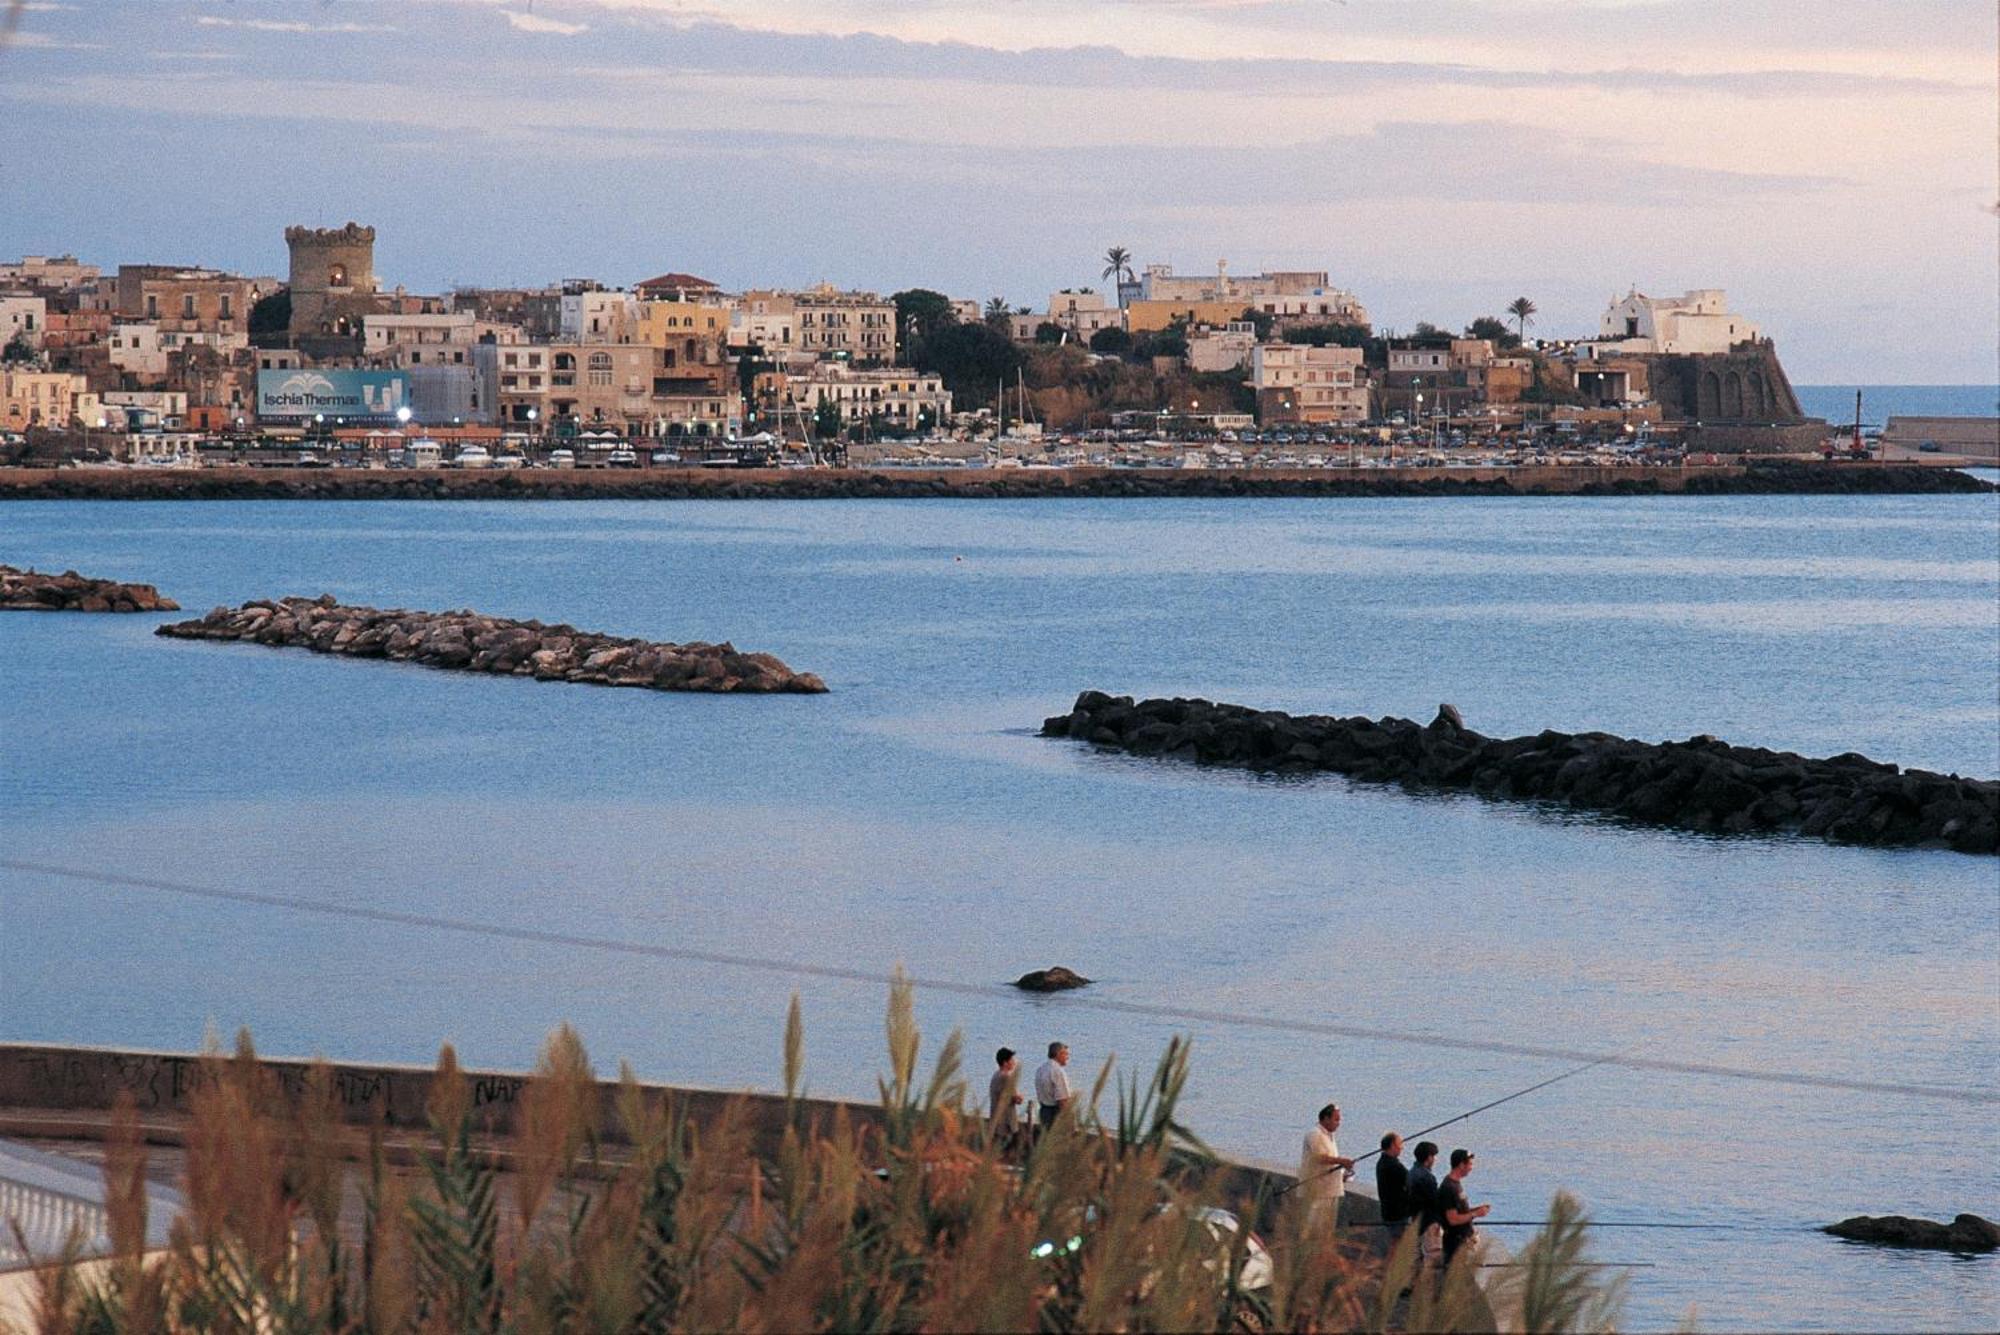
289, 25
522, 22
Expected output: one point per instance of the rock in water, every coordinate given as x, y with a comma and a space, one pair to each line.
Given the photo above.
1057, 979
1966, 1233
38, 591
469, 642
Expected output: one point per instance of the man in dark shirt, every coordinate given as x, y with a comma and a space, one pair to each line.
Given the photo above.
1392, 1187
1455, 1211
1423, 1192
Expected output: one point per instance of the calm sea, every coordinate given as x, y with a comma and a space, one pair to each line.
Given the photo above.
912, 816
1881, 402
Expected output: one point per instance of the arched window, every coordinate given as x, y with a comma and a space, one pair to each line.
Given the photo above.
337, 276
600, 368
565, 362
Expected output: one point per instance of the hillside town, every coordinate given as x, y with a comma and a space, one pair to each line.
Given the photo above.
181, 363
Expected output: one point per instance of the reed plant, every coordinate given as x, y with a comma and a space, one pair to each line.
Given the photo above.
917, 1218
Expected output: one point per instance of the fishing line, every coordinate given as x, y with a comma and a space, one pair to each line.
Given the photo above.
1415, 1135
1184, 1014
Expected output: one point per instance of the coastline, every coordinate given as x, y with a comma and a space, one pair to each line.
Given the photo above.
258, 483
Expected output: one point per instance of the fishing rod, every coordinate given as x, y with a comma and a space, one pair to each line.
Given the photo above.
1484, 1107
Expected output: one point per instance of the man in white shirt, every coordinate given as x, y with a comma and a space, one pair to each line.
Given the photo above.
1052, 1090
1323, 1172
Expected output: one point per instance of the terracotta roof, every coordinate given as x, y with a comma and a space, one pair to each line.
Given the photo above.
679, 280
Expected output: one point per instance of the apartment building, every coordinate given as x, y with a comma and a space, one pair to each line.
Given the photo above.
905, 399
1316, 386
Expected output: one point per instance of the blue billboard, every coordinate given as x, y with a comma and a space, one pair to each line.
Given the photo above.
354, 395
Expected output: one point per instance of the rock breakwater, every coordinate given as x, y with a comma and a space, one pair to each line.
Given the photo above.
469, 642
1700, 784
40, 591
1965, 1233
728, 484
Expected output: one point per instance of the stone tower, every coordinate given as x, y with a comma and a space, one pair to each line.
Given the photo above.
332, 279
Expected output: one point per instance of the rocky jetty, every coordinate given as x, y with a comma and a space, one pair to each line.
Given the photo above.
1966, 1233
1700, 784
469, 642
39, 591
238, 482
1057, 979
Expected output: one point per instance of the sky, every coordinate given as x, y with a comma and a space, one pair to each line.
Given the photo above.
1833, 164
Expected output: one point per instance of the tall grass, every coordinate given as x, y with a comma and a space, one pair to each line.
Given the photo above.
923, 1222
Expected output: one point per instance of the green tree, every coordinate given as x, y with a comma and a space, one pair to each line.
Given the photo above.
970, 358
271, 318
1523, 312
1425, 329
998, 314
1048, 331
17, 350
1261, 321
1490, 327
1111, 340
919, 311
1336, 335
826, 418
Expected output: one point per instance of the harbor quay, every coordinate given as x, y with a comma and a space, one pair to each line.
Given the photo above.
1769, 477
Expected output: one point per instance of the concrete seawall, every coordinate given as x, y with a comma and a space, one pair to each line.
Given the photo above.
52, 1093
246, 483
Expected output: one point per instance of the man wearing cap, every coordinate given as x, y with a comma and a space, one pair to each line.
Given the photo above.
1455, 1211
1323, 1172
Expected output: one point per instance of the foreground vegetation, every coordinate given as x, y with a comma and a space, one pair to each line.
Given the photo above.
914, 1221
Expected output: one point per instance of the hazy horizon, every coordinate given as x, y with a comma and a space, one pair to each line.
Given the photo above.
1837, 176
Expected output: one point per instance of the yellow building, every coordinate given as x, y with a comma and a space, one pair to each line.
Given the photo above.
1149, 317
45, 399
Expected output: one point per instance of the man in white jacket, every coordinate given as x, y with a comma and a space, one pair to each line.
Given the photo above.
1323, 1172
1052, 1090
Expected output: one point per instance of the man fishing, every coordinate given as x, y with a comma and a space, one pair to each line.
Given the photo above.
1455, 1211
1392, 1187
1323, 1172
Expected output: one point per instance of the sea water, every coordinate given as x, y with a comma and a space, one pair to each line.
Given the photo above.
912, 816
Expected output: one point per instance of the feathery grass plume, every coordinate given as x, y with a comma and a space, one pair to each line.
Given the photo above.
795, 1051
909, 1218
1555, 1285
556, 1117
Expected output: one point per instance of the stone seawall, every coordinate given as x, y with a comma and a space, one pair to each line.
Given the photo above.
1700, 784
244, 483
40, 591
468, 642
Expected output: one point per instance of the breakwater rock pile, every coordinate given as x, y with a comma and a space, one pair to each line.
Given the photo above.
39, 591
1700, 784
240, 482
469, 642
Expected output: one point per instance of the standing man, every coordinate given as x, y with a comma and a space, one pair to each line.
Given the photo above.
1392, 1187
1001, 1098
1052, 1090
1455, 1211
1423, 1194
1323, 1172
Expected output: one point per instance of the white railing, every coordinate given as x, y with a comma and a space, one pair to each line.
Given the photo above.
48, 1201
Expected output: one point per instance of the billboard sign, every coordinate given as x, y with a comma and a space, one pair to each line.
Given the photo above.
355, 395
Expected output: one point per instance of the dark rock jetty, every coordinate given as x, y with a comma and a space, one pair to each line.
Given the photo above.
1966, 1233
1776, 477
39, 591
1057, 979
469, 642
1700, 784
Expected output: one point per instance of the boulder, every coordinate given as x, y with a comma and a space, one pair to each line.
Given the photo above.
1966, 1233
37, 591
1057, 979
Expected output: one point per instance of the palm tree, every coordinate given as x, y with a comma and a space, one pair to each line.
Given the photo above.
1522, 310
1117, 260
